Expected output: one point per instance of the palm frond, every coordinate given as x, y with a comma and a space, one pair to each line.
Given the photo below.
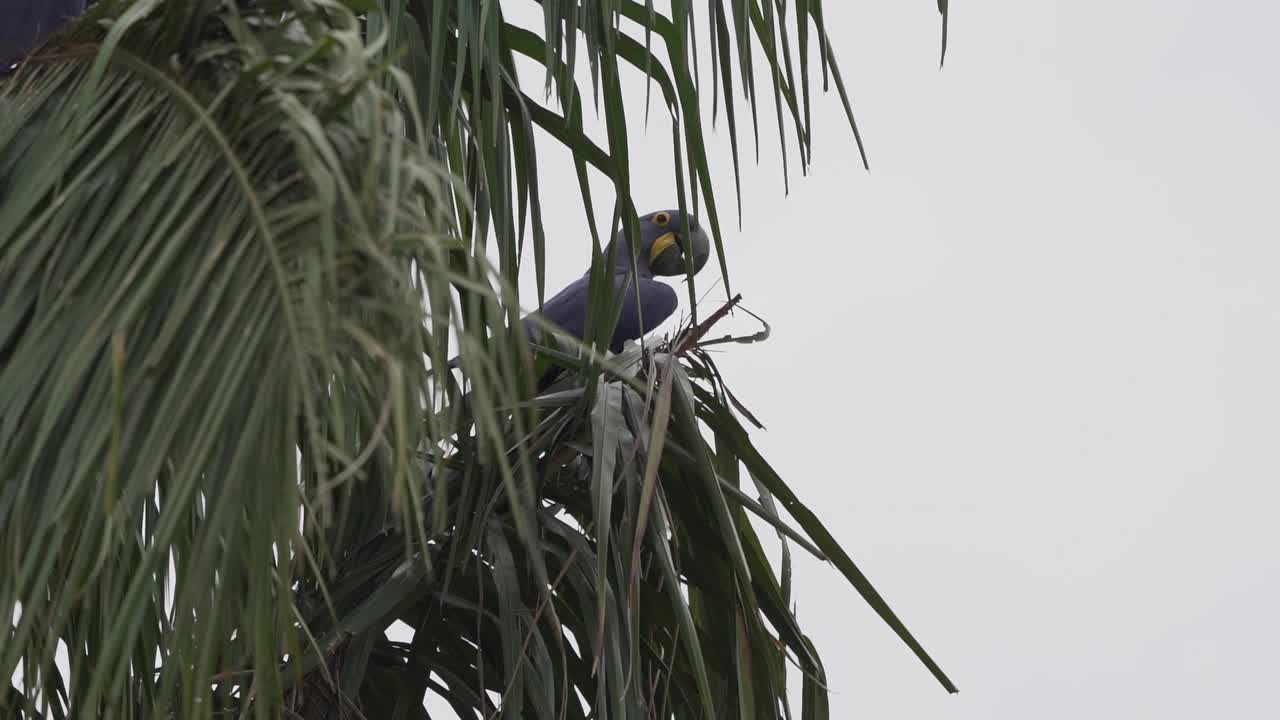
211, 266
663, 601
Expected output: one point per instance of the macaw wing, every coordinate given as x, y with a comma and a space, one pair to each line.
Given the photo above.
568, 309
657, 301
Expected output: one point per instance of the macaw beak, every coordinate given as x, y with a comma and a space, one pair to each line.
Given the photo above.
667, 257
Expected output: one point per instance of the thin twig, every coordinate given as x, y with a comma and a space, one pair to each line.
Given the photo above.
691, 337
533, 626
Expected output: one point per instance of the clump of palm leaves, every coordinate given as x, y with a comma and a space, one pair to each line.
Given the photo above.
235, 238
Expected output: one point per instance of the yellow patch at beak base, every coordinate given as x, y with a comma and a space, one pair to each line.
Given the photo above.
660, 245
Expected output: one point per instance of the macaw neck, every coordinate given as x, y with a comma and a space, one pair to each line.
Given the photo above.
622, 263
622, 267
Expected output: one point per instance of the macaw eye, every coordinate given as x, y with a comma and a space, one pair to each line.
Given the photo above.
662, 219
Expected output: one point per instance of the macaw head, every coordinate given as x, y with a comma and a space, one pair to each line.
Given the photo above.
667, 238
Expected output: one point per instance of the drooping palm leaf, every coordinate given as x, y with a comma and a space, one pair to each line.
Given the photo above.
212, 250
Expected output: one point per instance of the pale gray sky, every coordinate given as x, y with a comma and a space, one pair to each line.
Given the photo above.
1027, 368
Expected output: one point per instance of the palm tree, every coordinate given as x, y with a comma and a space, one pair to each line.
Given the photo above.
238, 241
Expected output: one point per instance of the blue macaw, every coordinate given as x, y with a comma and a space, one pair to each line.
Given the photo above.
25, 23
663, 247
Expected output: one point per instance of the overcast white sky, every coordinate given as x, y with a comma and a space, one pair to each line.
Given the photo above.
1027, 367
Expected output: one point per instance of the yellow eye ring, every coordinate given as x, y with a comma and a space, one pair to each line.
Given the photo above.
662, 218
